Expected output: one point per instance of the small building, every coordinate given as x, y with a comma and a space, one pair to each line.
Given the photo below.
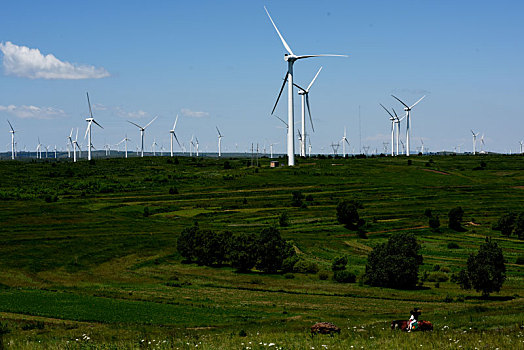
274, 164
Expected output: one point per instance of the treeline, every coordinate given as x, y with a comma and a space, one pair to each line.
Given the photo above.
266, 251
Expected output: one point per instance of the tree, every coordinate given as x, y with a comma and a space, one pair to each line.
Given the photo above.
186, 242
298, 198
347, 214
272, 250
339, 263
395, 264
511, 223
210, 247
455, 219
434, 222
485, 271
243, 251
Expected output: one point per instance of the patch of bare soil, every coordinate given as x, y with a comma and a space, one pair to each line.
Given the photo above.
436, 171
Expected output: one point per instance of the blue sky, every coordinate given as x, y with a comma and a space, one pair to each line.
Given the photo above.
220, 63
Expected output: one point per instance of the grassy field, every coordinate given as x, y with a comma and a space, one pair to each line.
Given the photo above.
82, 267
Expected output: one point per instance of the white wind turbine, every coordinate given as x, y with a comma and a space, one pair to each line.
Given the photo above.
90, 120
290, 58
305, 101
408, 121
12, 131
69, 142
219, 143
422, 147
75, 146
124, 140
309, 148
344, 141
142, 129
482, 144
173, 136
153, 147
55, 151
393, 121
475, 141
191, 145
196, 146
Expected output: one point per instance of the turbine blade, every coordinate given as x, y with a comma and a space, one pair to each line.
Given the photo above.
309, 111
398, 99
177, 140
219, 134
150, 122
280, 35
76, 138
312, 81
326, 55
87, 129
280, 93
300, 87
13, 130
138, 126
89, 103
94, 121
281, 120
176, 120
386, 110
414, 104
71, 133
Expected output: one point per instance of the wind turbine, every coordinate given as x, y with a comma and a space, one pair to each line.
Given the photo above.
422, 147
482, 144
90, 120
70, 142
475, 141
305, 100
191, 145
142, 129
125, 139
408, 121
393, 121
173, 136
196, 139
153, 147
12, 131
344, 141
55, 151
75, 146
219, 142
290, 58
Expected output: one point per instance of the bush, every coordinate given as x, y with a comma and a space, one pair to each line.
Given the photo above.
173, 190
434, 223
445, 269
243, 252
339, 263
323, 275
485, 271
436, 267
511, 223
289, 276
438, 276
283, 220
455, 219
297, 200
520, 260
272, 250
186, 242
344, 276
146, 212
227, 165
395, 264
428, 213
453, 245
347, 214
309, 198
303, 266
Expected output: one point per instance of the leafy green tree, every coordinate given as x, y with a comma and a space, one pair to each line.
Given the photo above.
455, 219
434, 222
243, 252
519, 226
506, 224
395, 264
339, 263
347, 214
272, 250
211, 247
298, 199
186, 242
283, 220
344, 276
485, 271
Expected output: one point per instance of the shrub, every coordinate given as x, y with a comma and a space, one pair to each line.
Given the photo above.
395, 264
297, 199
434, 223
186, 242
520, 260
173, 190
436, 267
455, 219
445, 269
283, 220
289, 276
344, 276
428, 213
227, 165
438, 276
347, 214
339, 263
323, 275
453, 245
146, 212
448, 299
303, 266
309, 198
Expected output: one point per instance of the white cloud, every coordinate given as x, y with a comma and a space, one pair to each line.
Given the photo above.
33, 112
130, 115
25, 62
194, 114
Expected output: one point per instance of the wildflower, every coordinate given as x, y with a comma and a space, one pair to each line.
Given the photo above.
271, 344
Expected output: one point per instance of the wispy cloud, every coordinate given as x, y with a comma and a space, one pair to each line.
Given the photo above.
33, 112
25, 62
130, 114
194, 114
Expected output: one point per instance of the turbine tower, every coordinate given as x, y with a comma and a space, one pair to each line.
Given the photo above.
290, 58
475, 142
219, 143
521, 145
173, 135
408, 121
344, 141
124, 140
393, 121
90, 120
142, 129
12, 131
305, 101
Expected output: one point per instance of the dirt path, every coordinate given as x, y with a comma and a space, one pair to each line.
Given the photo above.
436, 171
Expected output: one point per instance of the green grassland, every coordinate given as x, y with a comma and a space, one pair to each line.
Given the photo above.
82, 267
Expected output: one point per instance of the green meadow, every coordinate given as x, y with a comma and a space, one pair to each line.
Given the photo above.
88, 256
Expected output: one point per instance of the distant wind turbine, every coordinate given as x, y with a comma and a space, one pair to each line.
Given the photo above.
474, 141
290, 58
90, 120
344, 140
12, 131
124, 140
408, 120
173, 135
219, 143
142, 129
393, 120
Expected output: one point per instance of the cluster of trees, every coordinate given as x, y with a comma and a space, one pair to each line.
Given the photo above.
267, 250
511, 224
347, 214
